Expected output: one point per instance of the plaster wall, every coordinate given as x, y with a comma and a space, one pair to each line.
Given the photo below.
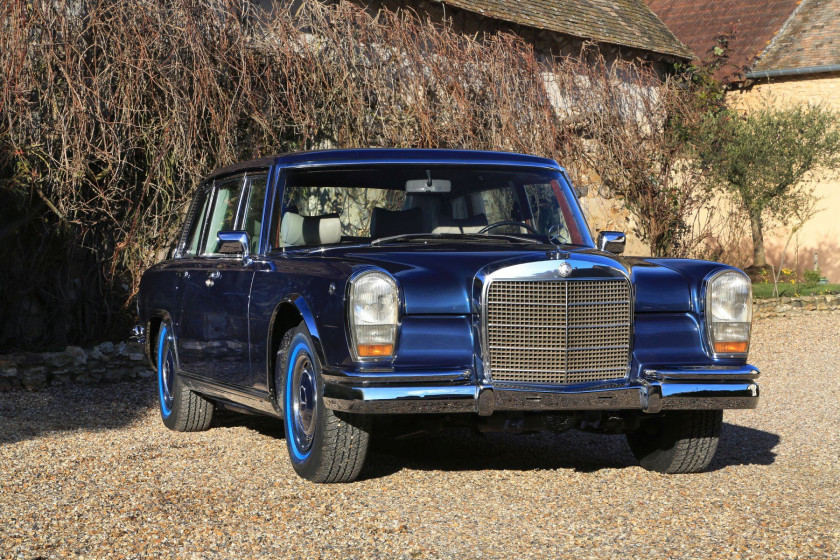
820, 237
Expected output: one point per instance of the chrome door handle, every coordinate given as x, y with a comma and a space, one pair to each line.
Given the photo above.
215, 275
209, 283
183, 274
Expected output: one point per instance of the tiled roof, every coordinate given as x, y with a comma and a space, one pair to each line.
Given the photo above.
620, 22
698, 23
810, 38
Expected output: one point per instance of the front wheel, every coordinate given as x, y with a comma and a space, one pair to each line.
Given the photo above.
181, 409
682, 441
324, 446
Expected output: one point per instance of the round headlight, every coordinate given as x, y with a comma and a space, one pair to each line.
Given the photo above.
374, 310
729, 312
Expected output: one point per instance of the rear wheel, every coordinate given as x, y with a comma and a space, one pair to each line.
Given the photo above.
324, 446
181, 409
682, 441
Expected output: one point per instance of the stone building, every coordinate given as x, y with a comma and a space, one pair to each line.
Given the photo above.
622, 30
783, 51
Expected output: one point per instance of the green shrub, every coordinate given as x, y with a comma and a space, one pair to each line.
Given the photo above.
811, 277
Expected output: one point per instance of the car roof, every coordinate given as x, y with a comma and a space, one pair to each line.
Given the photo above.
388, 156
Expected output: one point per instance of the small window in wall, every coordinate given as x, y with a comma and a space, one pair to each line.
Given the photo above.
254, 208
222, 215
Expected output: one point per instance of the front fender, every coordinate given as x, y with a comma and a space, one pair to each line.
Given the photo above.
309, 320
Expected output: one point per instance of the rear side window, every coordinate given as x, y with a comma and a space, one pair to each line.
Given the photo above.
197, 221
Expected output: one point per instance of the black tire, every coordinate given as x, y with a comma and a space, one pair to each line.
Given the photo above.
181, 409
682, 441
323, 445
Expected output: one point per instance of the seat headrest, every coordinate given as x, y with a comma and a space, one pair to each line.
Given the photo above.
385, 223
310, 230
466, 225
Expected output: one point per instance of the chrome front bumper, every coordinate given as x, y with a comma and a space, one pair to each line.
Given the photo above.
661, 389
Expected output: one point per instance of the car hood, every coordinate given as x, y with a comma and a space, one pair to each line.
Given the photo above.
442, 278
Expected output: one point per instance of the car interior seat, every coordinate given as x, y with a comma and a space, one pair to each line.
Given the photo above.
472, 224
310, 230
385, 223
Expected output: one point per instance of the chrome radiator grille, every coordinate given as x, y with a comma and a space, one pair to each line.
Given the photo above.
557, 331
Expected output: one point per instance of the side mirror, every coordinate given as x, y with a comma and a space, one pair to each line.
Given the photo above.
611, 241
234, 243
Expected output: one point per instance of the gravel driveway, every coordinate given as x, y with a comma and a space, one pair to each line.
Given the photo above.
92, 472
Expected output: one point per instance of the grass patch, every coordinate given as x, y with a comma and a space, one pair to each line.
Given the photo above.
765, 290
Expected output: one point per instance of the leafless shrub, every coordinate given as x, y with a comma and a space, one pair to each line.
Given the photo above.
112, 111
633, 129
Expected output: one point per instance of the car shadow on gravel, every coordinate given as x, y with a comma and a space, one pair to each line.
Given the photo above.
266, 425
460, 449
463, 450
27, 415
740, 445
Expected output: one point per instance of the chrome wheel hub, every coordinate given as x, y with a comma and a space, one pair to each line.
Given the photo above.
167, 378
304, 402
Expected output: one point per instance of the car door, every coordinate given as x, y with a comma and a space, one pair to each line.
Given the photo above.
215, 288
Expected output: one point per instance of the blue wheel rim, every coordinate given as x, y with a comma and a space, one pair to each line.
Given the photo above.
166, 373
301, 401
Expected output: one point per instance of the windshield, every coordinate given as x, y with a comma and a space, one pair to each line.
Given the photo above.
327, 206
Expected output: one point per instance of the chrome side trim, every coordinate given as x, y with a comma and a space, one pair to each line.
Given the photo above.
250, 398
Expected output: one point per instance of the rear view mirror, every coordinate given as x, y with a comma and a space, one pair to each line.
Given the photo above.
233, 243
611, 241
428, 186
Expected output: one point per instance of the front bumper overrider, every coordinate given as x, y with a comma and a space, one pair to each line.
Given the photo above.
685, 388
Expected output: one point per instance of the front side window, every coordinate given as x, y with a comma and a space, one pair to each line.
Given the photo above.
254, 208
214, 210
351, 205
222, 215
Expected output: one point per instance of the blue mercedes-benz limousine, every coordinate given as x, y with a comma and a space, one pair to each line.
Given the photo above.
343, 289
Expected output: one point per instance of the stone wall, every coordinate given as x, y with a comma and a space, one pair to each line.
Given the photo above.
109, 362
787, 306
106, 362
813, 88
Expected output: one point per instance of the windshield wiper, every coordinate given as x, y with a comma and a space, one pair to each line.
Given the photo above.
505, 236
453, 237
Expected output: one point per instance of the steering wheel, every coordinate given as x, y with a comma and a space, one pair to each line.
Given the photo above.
494, 225
557, 233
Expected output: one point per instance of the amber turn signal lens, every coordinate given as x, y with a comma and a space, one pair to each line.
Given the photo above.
373, 350
730, 347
